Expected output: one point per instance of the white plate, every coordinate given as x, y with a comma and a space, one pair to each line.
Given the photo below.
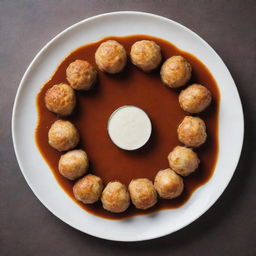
41, 179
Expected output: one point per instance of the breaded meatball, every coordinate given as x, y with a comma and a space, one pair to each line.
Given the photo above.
183, 160
81, 75
73, 164
63, 135
195, 98
88, 189
115, 197
143, 193
192, 131
111, 57
60, 99
168, 184
175, 72
146, 55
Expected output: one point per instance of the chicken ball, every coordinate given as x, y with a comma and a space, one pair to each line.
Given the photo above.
115, 197
81, 75
175, 72
63, 135
192, 131
111, 57
168, 184
73, 164
143, 193
183, 160
60, 99
88, 189
146, 55
195, 98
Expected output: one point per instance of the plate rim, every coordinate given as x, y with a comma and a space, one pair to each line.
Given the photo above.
21, 84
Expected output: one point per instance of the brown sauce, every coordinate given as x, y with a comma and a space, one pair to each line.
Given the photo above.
145, 90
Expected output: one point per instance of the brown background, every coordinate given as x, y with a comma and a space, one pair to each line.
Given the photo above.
28, 228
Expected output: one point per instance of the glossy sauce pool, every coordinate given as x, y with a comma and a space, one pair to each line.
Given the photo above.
144, 90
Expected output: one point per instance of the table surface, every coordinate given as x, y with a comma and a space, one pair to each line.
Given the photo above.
28, 228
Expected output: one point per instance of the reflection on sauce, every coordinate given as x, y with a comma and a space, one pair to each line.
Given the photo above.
145, 90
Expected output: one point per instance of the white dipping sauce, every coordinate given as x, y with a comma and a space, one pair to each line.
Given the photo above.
129, 127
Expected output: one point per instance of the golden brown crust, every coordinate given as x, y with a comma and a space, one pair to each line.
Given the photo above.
88, 189
60, 99
146, 55
195, 98
192, 131
168, 184
63, 135
176, 71
111, 57
81, 75
73, 164
143, 193
183, 160
115, 197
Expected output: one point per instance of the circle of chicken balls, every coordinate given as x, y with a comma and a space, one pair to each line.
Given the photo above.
111, 58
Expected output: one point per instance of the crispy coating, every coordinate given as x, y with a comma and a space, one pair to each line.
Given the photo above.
88, 189
111, 57
115, 197
73, 164
60, 99
195, 98
176, 72
63, 135
143, 193
183, 160
146, 55
168, 184
81, 75
192, 131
